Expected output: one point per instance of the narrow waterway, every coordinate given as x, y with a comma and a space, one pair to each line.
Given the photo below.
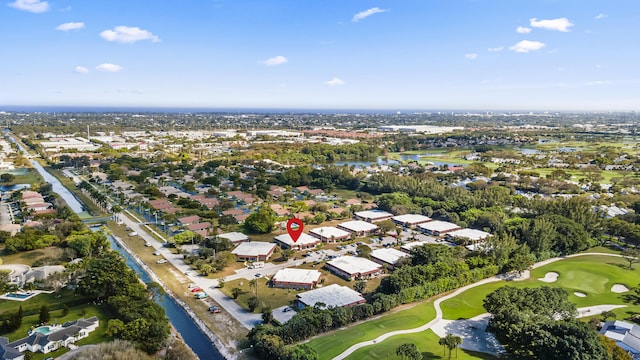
196, 340
192, 336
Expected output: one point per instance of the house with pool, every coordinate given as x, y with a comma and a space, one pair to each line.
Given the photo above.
45, 339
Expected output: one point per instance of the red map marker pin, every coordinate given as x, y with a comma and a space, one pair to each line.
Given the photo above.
295, 232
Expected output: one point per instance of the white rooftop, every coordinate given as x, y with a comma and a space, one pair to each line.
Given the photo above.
388, 255
304, 239
303, 276
438, 225
332, 295
411, 218
329, 231
354, 265
471, 234
234, 236
411, 245
253, 248
358, 225
373, 214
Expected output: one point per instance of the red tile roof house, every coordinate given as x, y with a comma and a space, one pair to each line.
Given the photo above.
200, 228
241, 218
187, 220
316, 192
233, 212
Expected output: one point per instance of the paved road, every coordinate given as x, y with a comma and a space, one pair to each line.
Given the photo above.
247, 319
438, 301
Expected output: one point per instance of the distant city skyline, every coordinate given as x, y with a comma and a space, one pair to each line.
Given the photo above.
528, 55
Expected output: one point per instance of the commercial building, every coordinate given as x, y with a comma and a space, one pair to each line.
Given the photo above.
358, 227
351, 267
333, 295
254, 251
438, 228
626, 335
372, 215
296, 278
410, 220
330, 234
305, 241
388, 257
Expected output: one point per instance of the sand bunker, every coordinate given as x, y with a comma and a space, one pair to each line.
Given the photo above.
550, 277
579, 294
619, 288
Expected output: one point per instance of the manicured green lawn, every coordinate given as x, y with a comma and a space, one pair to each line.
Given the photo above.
271, 297
592, 275
426, 341
332, 344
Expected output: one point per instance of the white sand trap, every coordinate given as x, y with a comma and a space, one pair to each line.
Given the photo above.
579, 294
550, 277
619, 288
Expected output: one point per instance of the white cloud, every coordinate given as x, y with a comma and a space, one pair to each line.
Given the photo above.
276, 60
601, 16
523, 30
335, 82
34, 6
560, 24
81, 70
526, 46
109, 68
471, 56
70, 26
597, 82
127, 34
363, 14
496, 49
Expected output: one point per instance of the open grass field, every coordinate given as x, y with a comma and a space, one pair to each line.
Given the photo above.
30, 257
28, 176
271, 297
592, 275
332, 344
427, 343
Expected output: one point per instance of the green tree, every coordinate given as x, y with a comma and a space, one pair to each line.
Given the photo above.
235, 292
45, 315
632, 256
261, 221
253, 303
408, 351
360, 286
267, 315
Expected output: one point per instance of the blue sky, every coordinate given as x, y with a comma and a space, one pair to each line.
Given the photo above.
322, 54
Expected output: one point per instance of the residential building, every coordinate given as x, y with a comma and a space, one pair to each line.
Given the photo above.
254, 251
358, 227
410, 220
296, 278
332, 295
235, 237
472, 235
305, 241
330, 234
626, 335
372, 215
388, 257
351, 267
438, 228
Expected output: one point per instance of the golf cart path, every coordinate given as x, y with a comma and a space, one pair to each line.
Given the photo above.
457, 292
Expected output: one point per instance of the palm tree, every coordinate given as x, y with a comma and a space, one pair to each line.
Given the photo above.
253, 284
451, 342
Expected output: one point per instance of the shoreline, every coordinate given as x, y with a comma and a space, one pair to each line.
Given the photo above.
215, 340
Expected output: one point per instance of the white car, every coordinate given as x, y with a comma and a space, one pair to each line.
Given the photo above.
161, 261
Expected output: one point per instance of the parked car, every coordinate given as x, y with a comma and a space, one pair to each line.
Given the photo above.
156, 253
258, 275
161, 261
287, 309
201, 295
214, 309
196, 289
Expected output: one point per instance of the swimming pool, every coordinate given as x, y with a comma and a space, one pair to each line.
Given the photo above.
19, 296
43, 330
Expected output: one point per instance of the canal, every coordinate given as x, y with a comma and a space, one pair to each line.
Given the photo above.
196, 340
180, 320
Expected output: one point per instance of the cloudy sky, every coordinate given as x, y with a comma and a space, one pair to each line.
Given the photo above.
322, 54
